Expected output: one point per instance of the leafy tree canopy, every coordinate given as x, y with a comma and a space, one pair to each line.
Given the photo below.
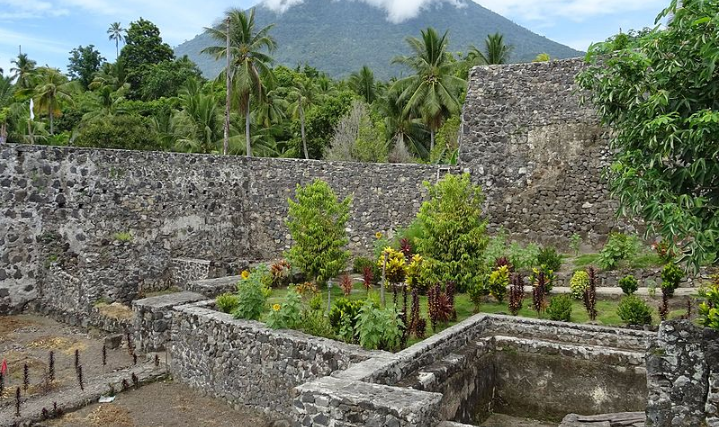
143, 47
659, 92
84, 63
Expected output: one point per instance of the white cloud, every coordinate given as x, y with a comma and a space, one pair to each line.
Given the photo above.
576, 10
280, 6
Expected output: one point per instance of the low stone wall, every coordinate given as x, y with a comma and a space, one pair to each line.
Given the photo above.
247, 363
683, 376
153, 317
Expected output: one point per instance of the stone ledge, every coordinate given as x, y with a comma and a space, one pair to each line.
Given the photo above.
211, 288
168, 301
621, 419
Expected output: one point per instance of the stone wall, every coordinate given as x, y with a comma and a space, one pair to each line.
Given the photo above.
683, 376
82, 225
537, 152
247, 363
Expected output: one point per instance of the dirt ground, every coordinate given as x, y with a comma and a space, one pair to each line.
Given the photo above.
163, 404
28, 339
499, 420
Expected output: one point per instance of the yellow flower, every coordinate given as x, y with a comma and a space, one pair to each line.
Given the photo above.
378, 235
276, 307
245, 274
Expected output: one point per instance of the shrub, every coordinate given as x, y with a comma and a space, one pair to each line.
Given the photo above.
633, 311
396, 267
360, 263
549, 258
405, 246
251, 298
672, 275
516, 294
502, 261
664, 251
618, 247
439, 305
287, 314
453, 230
590, 295
539, 292
628, 284
227, 303
342, 308
560, 308
579, 283
315, 323
317, 223
574, 242
478, 290
280, 272
416, 276
547, 275
709, 309
317, 302
498, 282
346, 284
378, 328
523, 257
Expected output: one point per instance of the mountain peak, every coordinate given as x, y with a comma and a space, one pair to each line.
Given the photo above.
340, 36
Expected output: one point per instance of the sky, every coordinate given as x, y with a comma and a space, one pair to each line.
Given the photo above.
48, 29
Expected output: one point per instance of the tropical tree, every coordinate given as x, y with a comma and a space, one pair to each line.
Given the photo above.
22, 71
364, 84
84, 62
401, 128
303, 94
117, 34
250, 71
495, 51
432, 92
659, 93
199, 124
52, 90
143, 49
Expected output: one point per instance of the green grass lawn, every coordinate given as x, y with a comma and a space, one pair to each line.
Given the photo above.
607, 309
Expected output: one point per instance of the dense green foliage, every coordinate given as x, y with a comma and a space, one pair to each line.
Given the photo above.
633, 311
628, 284
709, 309
227, 303
672, 275
317, 224
560, 308
251, 297
453, 235
659, 91
579, 283
617, 248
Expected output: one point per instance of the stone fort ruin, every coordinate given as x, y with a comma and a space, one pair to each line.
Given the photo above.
81, 226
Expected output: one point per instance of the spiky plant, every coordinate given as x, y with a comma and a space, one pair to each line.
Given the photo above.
516, 294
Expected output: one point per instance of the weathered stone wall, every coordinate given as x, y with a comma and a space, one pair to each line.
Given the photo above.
537, 152
247, 363
82, 225
153, 317
683, 376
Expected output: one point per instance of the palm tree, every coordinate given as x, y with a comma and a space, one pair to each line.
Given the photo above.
364, 84
432, 92
249, 67
402, 129
199, 124
116, 34
495, 51
52, 90
22, 71
303, 94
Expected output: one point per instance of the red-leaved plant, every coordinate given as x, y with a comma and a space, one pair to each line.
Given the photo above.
516, 294
346, 284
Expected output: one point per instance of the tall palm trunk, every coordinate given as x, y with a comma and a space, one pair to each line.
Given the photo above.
247, 128
431, 140
228, 81
49, 113
302, 130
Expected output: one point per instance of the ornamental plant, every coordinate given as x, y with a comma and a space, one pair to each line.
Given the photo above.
590, 294
628, 284
378, 328
453, 230
709, 309
516, 294
414, 274
288, 314
560, 308
672, 275
395, 269
346, 284
579, 283
317, 222
498, 282
439, 305
549, 258
251, 298
227, 303
618, 247
477, 291
633, 311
